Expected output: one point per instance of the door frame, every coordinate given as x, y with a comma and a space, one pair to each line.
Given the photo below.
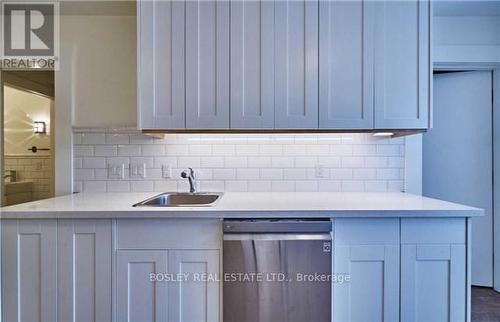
413, 180
44, 92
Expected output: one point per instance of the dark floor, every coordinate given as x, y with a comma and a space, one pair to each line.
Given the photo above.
485, 305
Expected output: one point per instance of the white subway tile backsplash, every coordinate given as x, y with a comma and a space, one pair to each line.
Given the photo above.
294, 174
236, 162
248, 150
329, 185
130, 150
282, 186
153, 150
118, 186
241, 162
247, 174
271, 174
94, 162
259, 185
106, 150
224, 174
282, 162
115, 138
236, 186
223, 150
212, 162
94, 186
306, 185
83, 150
93, 138
259, 162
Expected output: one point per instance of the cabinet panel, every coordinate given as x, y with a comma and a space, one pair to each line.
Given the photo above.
373, 292
29, 270
296, 64
137, 298
160, 64
252, 64
195, 299
207, 64
346, 64
84, 270
402, 64
433, 283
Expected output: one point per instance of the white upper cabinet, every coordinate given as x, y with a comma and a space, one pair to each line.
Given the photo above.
402, 64
346, 65
207, 64
284, 64
252, 64
296, 64
160, 65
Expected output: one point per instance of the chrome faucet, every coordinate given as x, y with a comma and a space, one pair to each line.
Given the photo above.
189, 174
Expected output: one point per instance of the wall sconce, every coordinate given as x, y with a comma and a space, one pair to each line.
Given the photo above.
39, 127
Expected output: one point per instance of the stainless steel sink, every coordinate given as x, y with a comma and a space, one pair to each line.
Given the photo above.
181, 199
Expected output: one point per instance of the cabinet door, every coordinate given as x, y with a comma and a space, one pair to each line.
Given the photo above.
373, 292
296, 64
207, 64
29, 270
252, 64
160, 64
84, 270
137, 298
197, 298
433, 283
346, 65
402, 64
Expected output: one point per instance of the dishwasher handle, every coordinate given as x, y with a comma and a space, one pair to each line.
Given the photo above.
279, 236
283, 226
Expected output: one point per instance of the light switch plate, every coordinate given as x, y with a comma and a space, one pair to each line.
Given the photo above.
116, 171
320, 171
166, 171
138, 170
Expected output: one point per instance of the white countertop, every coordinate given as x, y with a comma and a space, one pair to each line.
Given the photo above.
245, 205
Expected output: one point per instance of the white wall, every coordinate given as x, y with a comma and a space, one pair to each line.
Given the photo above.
98, 43
466, 39
95, 85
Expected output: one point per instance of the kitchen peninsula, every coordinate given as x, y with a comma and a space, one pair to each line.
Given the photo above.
87, 254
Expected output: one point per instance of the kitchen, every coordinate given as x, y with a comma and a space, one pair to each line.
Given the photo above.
277, 139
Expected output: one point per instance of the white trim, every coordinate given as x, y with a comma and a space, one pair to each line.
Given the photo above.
413, 164
496, 182
63, 136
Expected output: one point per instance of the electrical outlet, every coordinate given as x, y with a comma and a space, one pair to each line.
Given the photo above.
320, 171
116, 171
166, 171
138, 170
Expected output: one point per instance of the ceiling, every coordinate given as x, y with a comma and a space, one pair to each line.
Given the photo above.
466, 8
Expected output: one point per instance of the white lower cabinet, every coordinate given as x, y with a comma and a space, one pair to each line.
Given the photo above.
168, 270
433, 270
100, 270
367, 252
29, 270
84, 270
137, 297
198, 298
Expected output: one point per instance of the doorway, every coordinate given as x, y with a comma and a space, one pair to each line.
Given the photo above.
458, 156
28, 141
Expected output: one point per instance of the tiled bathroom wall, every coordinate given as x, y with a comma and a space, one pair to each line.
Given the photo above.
238, 162
37, 169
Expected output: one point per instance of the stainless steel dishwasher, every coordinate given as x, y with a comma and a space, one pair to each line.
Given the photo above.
277, 270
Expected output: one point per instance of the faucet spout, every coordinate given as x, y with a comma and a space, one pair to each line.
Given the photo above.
189, 174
